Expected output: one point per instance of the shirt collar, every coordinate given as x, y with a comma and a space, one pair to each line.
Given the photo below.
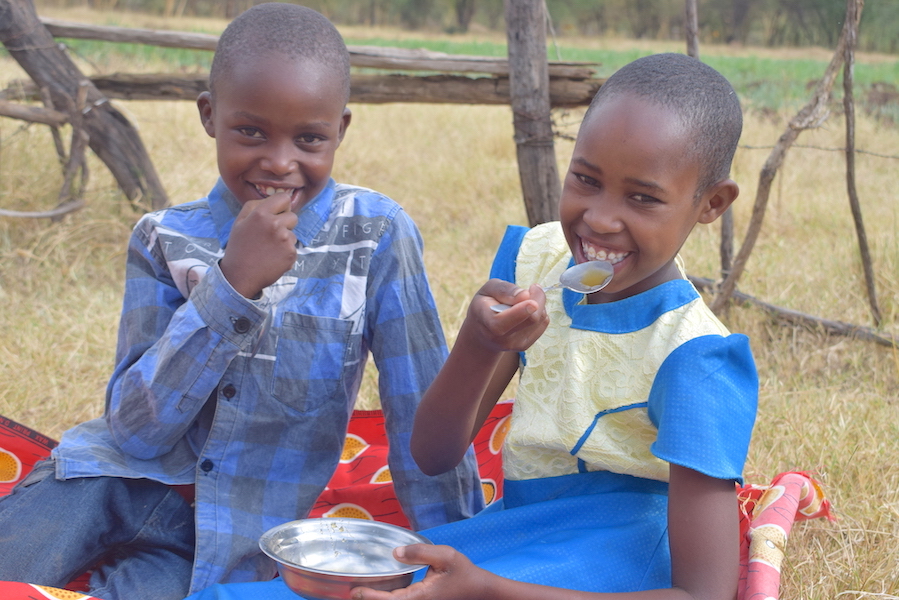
312, 217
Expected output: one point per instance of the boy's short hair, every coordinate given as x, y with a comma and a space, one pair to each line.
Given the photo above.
296, 32
706, 102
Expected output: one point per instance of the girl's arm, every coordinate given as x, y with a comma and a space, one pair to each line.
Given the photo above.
482, 363
703, 534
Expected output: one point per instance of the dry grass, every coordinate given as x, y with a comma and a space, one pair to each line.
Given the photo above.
828, 404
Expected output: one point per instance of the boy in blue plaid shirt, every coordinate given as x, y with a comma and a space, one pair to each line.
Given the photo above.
248, 317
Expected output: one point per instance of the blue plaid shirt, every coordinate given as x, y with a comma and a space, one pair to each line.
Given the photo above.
250, 399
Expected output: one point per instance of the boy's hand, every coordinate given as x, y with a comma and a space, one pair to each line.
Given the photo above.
515, 328
451, 576
262, 246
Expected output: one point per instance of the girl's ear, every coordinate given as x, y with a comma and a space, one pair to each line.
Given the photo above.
718, 199
204, 105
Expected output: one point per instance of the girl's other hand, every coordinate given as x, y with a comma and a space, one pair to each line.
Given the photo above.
451, 576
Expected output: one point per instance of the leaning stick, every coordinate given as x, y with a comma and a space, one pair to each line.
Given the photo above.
852, 17
812, 115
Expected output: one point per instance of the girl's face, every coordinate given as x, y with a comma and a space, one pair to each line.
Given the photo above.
628, 196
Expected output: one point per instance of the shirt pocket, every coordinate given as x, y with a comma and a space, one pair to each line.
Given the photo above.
310, 360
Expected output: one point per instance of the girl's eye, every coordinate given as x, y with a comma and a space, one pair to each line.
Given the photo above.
308, 138
644, 199
586, 180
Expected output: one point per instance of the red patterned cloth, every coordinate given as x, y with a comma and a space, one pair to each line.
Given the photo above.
20, 448
11, 590
767, 514
361, 487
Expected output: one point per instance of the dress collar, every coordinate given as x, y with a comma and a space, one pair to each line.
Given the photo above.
632, 313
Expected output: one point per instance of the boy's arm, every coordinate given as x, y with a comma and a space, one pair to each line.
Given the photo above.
171, 352
406, 339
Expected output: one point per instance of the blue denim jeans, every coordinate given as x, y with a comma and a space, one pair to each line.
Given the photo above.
137, 535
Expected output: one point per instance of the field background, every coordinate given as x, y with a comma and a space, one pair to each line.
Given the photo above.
828, 404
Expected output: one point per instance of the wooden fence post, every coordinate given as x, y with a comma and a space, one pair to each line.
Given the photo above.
529, 97
111, 136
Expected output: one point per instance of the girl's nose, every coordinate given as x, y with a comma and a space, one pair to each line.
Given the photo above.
604, 216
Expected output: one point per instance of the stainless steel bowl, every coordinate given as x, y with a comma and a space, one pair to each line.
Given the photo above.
323, 559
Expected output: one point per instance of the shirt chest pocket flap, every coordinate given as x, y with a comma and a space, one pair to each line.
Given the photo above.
311, 360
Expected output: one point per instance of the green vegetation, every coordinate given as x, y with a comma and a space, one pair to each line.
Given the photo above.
768, 23
767, 83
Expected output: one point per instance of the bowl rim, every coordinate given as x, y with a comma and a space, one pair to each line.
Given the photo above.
419, 539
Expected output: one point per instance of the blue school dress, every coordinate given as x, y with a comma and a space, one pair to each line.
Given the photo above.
608, 396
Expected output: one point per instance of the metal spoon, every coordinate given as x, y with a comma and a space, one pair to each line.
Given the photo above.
585, 278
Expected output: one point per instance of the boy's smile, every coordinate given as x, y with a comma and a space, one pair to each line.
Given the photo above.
277, 123
629, 194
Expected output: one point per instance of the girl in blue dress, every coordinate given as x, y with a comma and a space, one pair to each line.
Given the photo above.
635, 405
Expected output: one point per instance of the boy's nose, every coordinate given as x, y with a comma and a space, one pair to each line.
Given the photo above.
281, 160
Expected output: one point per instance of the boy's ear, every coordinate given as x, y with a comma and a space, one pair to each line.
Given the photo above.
344, 124
204, 104
718, 199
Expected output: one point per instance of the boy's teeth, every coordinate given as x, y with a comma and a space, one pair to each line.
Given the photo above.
269, 191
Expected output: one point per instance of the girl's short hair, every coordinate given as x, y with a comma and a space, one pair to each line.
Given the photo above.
705, 101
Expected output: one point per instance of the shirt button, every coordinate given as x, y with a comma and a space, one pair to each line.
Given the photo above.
229, 391
206, 465
242, 325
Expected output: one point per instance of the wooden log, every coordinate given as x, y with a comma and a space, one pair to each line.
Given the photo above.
397, 59
529, 92
366, 89
106, 33
795, 317
403, 59
33, 114
114, 140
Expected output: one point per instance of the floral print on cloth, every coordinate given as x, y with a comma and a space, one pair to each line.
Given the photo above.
12, 590
361, 486
767, 514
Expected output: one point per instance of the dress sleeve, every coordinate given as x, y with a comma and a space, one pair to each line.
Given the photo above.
506, 256
407, 342
703, 402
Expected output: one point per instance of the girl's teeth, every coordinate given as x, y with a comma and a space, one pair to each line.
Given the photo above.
594, 254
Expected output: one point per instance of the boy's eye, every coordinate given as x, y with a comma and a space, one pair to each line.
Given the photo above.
250, 132
308, 138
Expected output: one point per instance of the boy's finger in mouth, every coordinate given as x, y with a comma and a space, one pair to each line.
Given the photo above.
268, 191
